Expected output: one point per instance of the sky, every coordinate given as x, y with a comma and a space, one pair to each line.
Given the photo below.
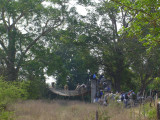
50, 79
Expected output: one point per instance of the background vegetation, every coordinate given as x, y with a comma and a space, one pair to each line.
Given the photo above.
41, 38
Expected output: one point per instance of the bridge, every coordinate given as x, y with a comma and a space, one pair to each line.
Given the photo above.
69, 92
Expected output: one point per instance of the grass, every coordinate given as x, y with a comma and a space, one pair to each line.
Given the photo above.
70, 110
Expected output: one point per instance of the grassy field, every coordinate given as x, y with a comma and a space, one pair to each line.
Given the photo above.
70, 110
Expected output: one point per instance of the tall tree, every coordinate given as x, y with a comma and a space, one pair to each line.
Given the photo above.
145, 13
145, 66
24, 24
112, 46
144, 27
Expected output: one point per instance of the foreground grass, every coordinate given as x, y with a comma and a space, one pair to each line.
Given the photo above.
69, 110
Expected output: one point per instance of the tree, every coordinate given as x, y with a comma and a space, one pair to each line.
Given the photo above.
145, 13
144, 65
144, 27
24, 24
121, 53
73, 49
111, 45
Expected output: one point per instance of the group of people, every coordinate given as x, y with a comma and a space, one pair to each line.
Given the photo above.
103, 87
128, 97
104, 97
101, 82
104, 94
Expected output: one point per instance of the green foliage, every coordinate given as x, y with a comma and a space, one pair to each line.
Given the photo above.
72, 58
32, 24
38, 39
12, 91
102, 114
146, 17
9, 93
37, 89
84, 2
155, 85
6, 115
150, 112
129, 81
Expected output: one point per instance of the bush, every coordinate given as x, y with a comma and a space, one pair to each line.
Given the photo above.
37, 89
155, 85
9, 93
6, 115
150, 112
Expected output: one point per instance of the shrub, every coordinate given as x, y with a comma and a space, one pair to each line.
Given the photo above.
37, 89
10, 92
150, 112
6, 115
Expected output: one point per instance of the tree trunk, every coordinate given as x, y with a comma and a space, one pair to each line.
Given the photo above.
118, 85
143, 86
11, 73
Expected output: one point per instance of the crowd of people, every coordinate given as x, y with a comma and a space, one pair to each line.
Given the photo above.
105, 97
103, 89
128, 99
104, 94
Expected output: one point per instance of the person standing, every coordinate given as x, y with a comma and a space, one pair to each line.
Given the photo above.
95, 76
93, 86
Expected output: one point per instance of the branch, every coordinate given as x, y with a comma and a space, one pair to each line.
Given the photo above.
18, 18
42, 34
137, 10
45, 26
3, 46
34, 41
4, 21
147, 83
5, 59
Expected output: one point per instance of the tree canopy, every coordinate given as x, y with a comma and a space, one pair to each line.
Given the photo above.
50, 37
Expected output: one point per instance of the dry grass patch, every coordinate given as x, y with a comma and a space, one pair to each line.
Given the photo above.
52, 110
68, 110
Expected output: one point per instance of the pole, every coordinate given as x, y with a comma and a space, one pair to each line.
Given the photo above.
96, 115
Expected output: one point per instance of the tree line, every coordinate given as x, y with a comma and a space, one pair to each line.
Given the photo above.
119, 37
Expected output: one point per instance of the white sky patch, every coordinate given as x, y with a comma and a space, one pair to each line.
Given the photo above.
81, 10
50, 79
